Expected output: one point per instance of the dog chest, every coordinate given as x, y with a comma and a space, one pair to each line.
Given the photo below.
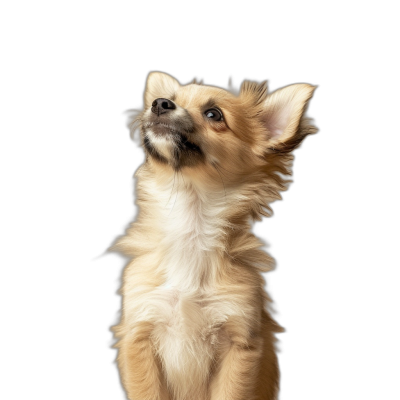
185, 333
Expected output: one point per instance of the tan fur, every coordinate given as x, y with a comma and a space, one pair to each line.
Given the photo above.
196, 321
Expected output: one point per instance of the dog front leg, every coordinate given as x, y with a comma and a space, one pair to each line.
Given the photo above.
140, 373
238, 370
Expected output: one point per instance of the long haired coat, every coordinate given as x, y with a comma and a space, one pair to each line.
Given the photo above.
196, 323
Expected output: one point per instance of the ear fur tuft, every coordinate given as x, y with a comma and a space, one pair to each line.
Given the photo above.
254, 90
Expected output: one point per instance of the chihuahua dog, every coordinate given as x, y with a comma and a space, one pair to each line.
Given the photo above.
196, 321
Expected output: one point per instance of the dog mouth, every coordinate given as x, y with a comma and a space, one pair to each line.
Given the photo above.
162, 129
168, 132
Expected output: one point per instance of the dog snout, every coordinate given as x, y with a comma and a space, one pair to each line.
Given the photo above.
161, 106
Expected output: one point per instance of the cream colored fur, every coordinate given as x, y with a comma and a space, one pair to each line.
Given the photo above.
196, 323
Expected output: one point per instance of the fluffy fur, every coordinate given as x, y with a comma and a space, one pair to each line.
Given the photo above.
196, 321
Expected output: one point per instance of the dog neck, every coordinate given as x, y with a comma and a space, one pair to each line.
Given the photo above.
192, 227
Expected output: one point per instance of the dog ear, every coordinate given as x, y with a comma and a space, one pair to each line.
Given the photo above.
282, 116
159, 85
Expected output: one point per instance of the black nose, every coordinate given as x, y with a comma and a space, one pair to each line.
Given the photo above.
161, 106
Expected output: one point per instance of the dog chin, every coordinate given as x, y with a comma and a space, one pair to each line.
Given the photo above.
169, 146
163, 141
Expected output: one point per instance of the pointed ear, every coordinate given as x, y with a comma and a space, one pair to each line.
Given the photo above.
159, 85
283, 111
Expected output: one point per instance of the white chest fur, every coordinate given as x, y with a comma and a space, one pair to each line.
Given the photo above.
186, 311
192, 225
185, 333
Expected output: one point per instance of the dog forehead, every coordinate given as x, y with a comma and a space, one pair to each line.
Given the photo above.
194, 95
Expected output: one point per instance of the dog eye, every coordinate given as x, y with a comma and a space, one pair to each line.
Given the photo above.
214, 114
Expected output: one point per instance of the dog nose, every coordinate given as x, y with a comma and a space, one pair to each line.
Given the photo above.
161, 106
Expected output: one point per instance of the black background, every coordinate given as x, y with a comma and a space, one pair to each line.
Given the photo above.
86, 198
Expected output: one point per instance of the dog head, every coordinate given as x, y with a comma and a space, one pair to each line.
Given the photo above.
201, 128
